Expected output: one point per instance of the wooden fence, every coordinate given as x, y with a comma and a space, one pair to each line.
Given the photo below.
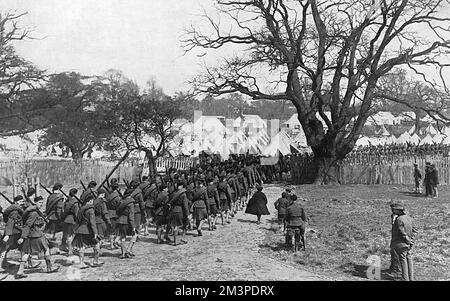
374, 170
183, 163
70, 172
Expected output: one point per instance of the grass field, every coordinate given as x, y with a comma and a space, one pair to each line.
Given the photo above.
349, 223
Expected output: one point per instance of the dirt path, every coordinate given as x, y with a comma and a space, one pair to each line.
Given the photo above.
229, 253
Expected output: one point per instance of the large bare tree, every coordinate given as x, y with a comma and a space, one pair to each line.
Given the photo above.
17, 76
323, 56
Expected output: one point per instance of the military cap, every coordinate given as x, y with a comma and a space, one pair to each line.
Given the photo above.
73, 191
134, 183
38, 198
57, 186
31, 191
101, 190
18, 198
92, 184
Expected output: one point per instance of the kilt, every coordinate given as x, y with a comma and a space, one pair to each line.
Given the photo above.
213, 209
112, 230
124, 230
102, 230
224, 205
150, 212
68, 229
11, 244
53, 226
35, 245
176, 219
139, 219
84, 240
233, 197
200, 214
160, 220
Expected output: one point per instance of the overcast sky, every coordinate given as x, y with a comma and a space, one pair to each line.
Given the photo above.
139, 37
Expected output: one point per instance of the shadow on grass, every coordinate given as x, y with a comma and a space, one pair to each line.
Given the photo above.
247, 221
412, 194
279, 246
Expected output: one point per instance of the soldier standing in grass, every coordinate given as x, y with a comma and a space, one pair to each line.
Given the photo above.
403, 233
434, 181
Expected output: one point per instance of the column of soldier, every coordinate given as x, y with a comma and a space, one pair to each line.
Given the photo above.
105, 216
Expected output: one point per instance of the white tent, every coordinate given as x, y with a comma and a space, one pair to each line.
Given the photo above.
300, 139
431, 130
438, 138
446, 140
404, 138
391, 140
412, 130
415, 139
427, 140
280, 143
363, 141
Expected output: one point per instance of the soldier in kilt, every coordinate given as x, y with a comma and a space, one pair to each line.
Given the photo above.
225, 199
125, 224
161, 207
86, 234
112, 203
71, 208
213, 203
33, 239
101, 215
53, 210
179, 211
200, 206
150, 192
139, 206
13, 228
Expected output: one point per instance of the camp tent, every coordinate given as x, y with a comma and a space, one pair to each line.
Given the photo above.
426, 140
280, 143
363, 141
415, 139
391, 140
404, 138
431, 130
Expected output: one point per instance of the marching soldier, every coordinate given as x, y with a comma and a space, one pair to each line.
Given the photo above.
89, 190
225, 199
149, 193
200, 206
102, 220
161, 213
112, 203
33, 239
86, 234
179, 212
53, 210
139, 206
213, 203
13, 228
71, 208
126, 225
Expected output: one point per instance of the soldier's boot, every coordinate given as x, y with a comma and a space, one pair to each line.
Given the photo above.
122, 250
30, 263
96, 262
50, 267
82, 265
159, 235
129, 252
20, 273
70, 249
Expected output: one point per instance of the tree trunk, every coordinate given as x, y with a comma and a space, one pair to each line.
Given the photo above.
151, 163
327, 170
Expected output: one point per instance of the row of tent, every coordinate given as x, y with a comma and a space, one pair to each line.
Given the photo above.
429, 136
